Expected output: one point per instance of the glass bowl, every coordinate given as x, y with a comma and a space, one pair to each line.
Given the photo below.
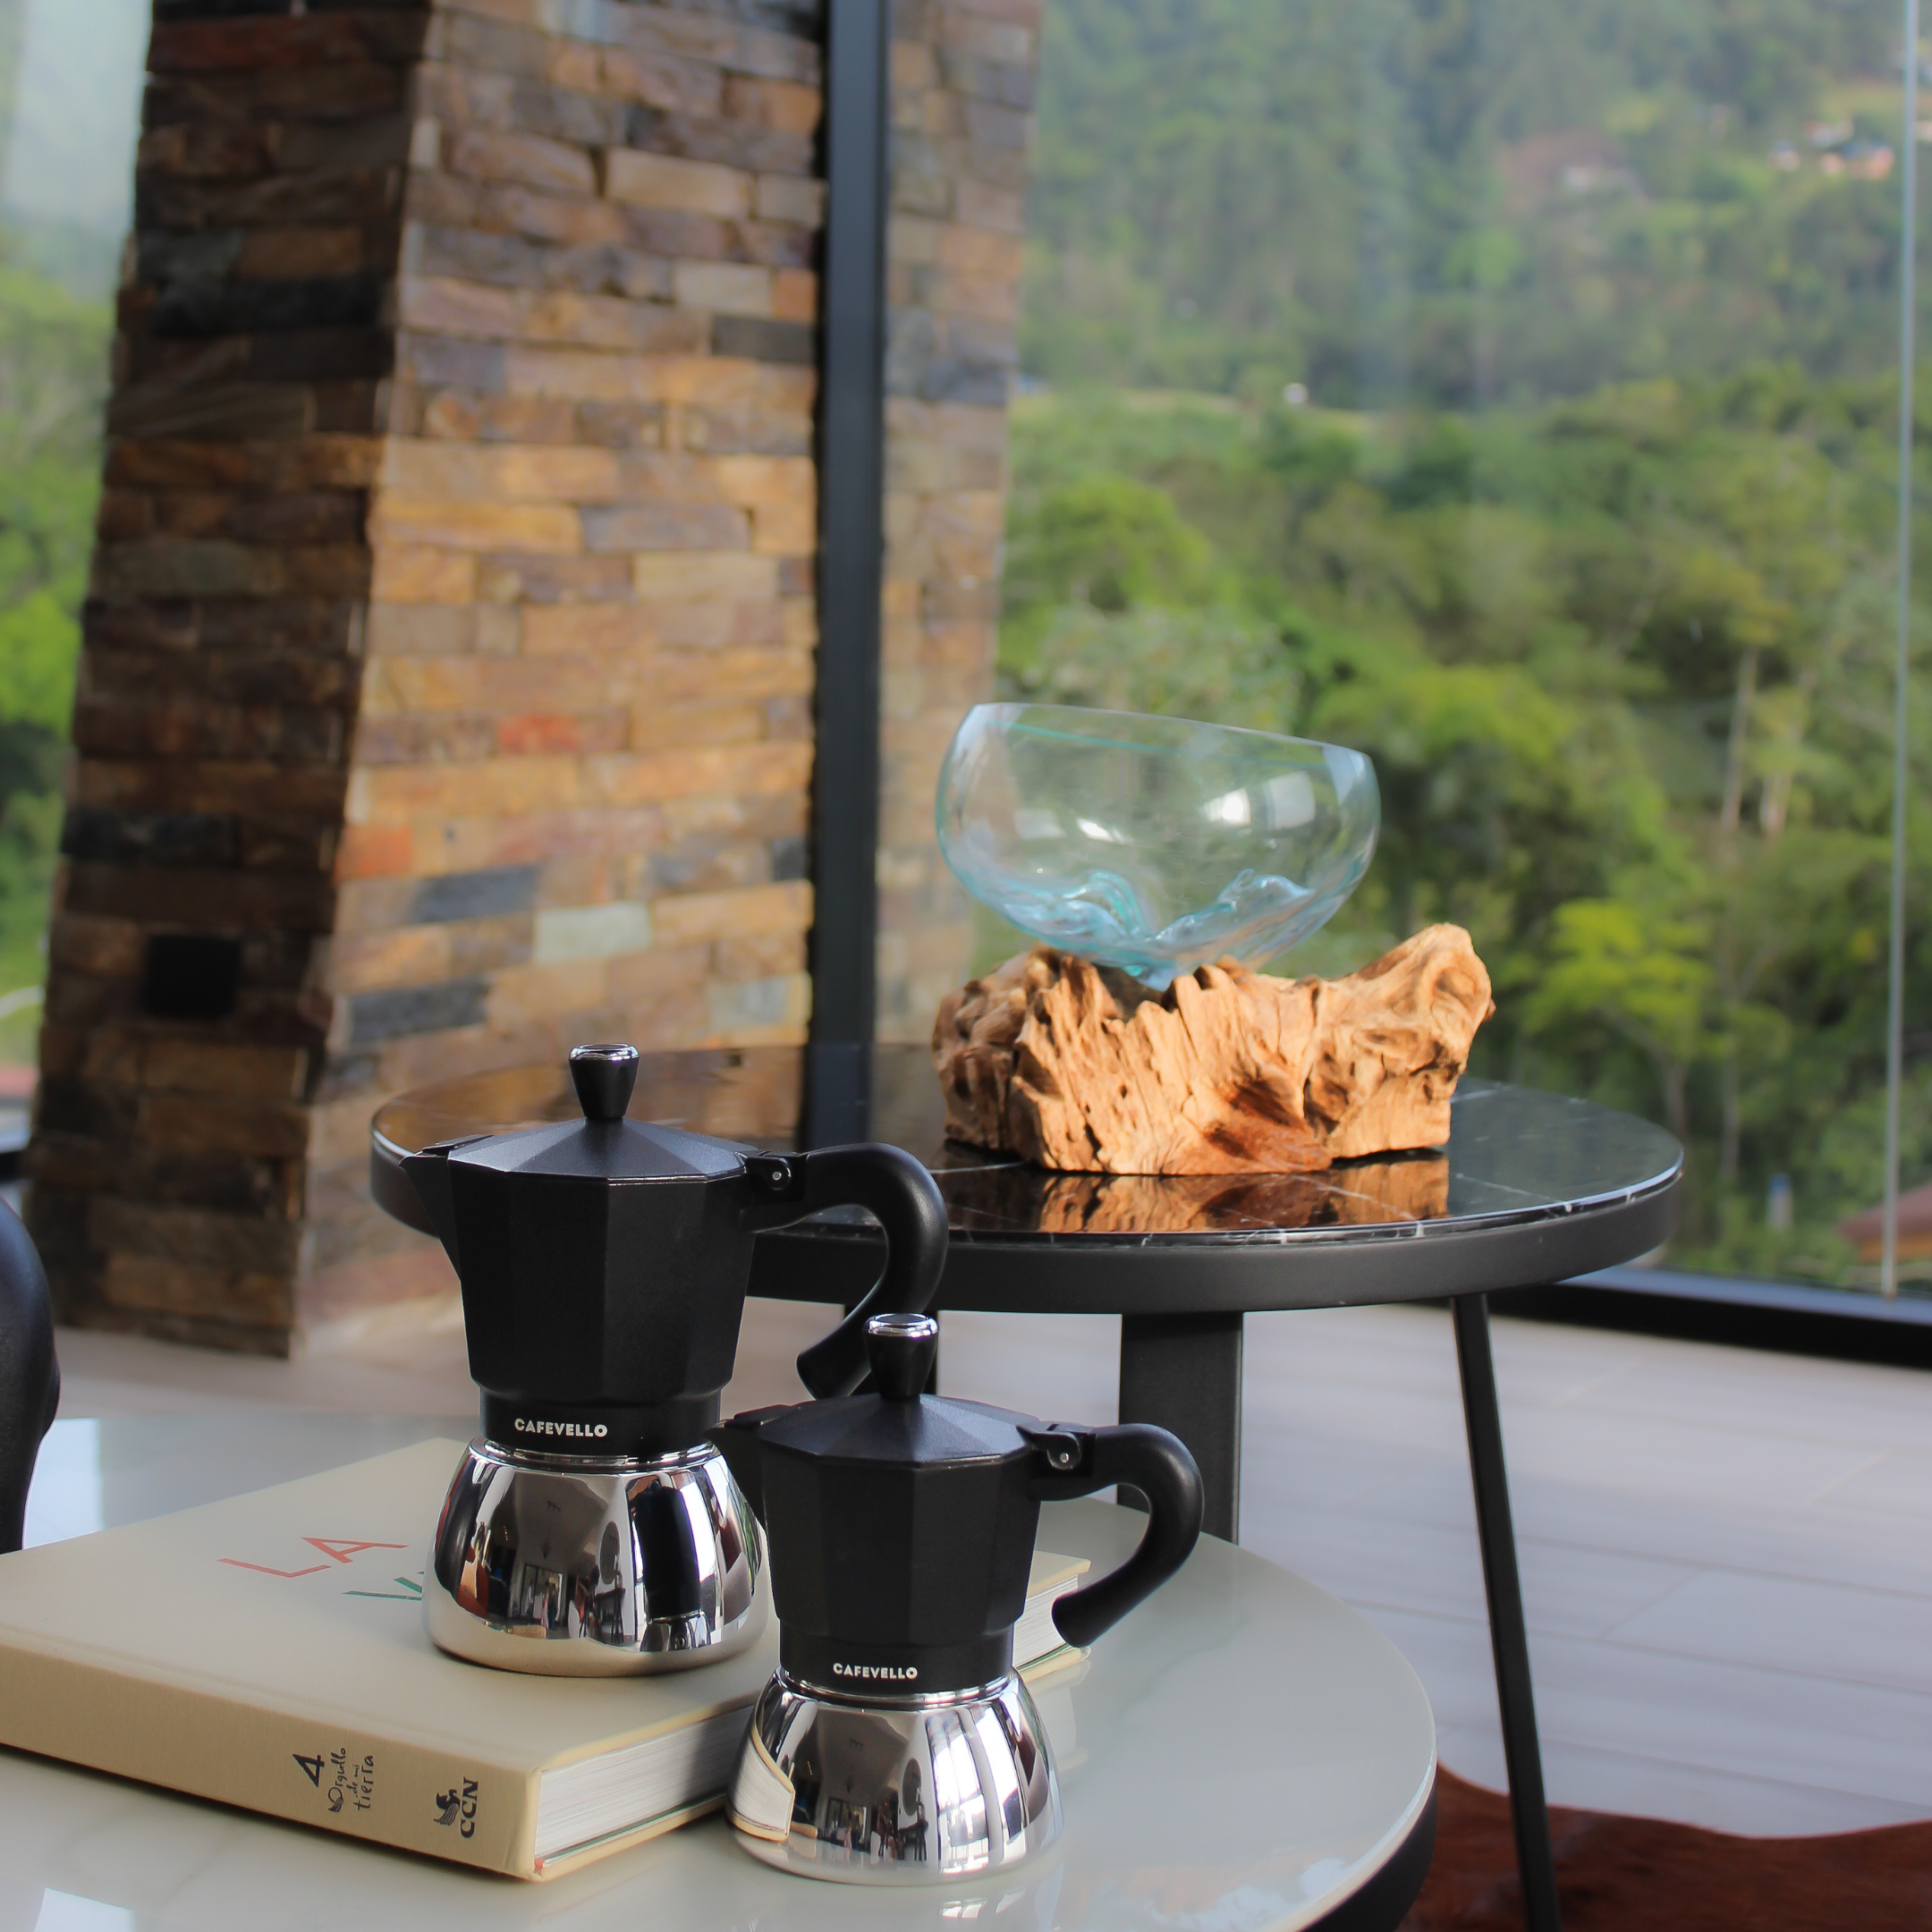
1154, 843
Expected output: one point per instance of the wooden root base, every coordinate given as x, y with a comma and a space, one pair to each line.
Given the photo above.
1079, 1067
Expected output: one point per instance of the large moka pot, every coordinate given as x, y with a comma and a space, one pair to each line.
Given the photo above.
592, 1530
895, 1743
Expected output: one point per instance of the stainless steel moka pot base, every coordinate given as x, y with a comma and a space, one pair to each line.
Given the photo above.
575, 1566
895, 1791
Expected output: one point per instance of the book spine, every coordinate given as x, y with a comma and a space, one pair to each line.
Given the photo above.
311, 1769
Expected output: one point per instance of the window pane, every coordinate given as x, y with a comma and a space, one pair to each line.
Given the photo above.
70, 101
1510, 391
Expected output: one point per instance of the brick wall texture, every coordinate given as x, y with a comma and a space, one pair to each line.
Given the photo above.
450, 643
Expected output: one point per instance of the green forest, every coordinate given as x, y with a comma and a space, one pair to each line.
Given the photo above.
1510, 393
66, 138
53, 379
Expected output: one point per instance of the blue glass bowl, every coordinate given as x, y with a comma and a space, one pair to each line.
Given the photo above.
1154, 843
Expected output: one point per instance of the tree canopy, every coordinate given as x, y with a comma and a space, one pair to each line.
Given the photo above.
53, 379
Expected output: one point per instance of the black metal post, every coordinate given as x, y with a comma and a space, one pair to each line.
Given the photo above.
1184, 1373
837, 1106
1509, 1633
852, 539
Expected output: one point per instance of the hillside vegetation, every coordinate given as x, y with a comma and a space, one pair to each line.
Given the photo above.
1581, 522
53, 378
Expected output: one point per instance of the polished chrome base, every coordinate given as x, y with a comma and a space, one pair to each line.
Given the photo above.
914, 1792
581, 1566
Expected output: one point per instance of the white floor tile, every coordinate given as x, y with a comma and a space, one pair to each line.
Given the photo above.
1694, 1714
1061, 1368
1898, 1484
1821, 1630
1305, 1469
1850, 1402
1643, 1787
1674, 1458
1435, 1569
1806, 1541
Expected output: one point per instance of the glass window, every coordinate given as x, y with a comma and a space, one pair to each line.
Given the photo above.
1510, 391
69, 99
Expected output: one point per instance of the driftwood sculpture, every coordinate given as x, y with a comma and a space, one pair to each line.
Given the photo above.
1080, 1067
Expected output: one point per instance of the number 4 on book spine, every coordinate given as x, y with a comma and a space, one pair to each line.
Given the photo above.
312, 1767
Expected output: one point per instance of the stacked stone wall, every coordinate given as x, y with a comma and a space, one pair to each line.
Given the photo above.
582, 767
447, 676
220, 671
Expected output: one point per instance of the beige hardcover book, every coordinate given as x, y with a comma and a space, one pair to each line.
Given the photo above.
1036, 1645
269, 1652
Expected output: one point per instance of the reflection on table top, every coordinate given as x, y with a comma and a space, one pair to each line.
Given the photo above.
1241, 1751
1514, 1155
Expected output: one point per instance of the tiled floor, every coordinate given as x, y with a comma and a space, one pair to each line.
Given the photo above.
1727, 1556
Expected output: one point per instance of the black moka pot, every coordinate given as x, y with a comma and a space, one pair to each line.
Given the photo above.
592, 1528
895, 1743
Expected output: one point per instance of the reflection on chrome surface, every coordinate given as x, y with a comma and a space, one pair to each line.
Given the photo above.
582, 1567
915, 1793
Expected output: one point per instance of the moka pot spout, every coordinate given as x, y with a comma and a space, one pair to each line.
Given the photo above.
737, 1441
429, 1171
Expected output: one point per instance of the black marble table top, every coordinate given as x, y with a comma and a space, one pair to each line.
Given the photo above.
1531, 1187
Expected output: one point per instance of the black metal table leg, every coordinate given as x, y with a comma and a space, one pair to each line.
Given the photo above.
1184, 1373
1509, 1635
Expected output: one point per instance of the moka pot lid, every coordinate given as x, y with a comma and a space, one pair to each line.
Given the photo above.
895, 1430
603, 1146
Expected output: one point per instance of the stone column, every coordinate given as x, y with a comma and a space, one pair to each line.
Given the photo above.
186, 1038
445, 690
582, 770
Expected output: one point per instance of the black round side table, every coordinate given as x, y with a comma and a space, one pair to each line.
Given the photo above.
1531, 1189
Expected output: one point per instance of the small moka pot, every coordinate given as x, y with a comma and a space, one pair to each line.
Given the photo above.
592, 1530
895, 1743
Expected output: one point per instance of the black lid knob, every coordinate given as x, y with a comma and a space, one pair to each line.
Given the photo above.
604, 1077
900, 1348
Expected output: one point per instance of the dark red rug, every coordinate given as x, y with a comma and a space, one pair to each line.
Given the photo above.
1631, 1874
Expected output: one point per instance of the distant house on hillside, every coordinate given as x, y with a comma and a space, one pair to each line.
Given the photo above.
1575, 161
1866, 1232
1862, 160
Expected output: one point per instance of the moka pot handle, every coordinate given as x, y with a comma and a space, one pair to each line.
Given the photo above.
906, 1199
1075, 1462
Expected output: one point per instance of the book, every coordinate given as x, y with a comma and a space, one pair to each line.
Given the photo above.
269, 1652
1038, 1647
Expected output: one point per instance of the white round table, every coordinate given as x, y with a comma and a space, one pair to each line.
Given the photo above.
1242, 1753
